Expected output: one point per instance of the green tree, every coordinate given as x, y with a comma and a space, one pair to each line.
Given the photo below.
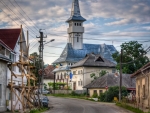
132, 51
112, 92
102, 73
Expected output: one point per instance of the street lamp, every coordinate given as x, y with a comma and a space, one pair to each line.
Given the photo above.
50, 41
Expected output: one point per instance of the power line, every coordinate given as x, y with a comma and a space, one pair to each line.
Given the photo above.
26, 15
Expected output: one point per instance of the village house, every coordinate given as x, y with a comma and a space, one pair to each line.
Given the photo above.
5, 53
11, 38
101, 84
91, 64
142, 86
75, 49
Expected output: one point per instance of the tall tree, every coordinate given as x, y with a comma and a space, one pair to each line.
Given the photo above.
132, 51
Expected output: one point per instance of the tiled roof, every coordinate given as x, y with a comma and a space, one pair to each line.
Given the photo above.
94, 61
62, 68
48, 72
112, 80
147, 66
10, 36
72, 55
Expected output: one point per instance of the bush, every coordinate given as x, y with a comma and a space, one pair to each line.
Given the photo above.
73, 93
95, 95
112, 92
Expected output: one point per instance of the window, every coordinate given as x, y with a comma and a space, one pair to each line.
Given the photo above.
78, 83
80, 24
138, 90
74, 72
81, 71
95, 92
0, 91
100, 92
78, 72
81, 83
77, 39
143, 90
75, 24
113, 70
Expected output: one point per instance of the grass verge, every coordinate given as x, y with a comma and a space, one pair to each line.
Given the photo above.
135, 110
38, 110
68, 96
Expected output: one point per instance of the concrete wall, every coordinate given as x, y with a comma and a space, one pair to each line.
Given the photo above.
85, 75
3, 83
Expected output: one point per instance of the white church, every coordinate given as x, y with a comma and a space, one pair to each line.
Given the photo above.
76, 52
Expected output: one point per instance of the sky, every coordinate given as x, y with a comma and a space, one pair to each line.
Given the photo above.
112, 22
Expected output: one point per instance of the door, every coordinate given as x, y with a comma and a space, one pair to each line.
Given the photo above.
74, 86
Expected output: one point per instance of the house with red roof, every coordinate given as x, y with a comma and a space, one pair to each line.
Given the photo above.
10, 49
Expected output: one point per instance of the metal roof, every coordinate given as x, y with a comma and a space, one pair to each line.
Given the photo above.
74, 55
93, 60
112, 80
75, 12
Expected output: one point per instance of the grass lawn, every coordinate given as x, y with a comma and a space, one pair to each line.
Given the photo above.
38, 110
135, 110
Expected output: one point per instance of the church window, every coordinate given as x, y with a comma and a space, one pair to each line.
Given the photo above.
75, 24
77, 39
80, 24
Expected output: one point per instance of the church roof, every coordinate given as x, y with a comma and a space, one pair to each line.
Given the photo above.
93, 60
75, 12
112, 80
74, 55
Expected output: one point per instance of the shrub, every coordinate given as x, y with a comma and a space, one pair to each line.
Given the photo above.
112, 92
95, 95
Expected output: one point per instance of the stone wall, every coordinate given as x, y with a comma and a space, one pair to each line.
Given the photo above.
3, 82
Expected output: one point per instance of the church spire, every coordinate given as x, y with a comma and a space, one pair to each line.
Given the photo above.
75, 8
75, 12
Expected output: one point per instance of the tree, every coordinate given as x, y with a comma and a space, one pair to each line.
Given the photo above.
132, 51
112, 92
102, 73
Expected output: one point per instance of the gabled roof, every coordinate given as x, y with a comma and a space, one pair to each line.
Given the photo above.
10, 36
4, 45
48, 72
72, 55
112, 80
147, 66
92, 60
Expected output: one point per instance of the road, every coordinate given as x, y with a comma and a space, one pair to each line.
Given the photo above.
68, 105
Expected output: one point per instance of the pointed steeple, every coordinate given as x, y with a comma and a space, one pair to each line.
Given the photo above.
75, 8
75, 12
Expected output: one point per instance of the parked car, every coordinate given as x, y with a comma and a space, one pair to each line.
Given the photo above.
43, 91
45, 102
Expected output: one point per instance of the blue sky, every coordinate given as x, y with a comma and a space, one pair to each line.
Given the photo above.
108, 21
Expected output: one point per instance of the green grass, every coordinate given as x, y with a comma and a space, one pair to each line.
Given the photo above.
38, 110
135, 110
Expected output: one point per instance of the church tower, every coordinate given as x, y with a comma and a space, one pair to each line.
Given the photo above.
76, 29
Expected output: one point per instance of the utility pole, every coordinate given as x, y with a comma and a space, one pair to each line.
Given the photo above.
41, 47
120, 83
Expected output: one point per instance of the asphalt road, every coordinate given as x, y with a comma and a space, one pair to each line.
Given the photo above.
68, 105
